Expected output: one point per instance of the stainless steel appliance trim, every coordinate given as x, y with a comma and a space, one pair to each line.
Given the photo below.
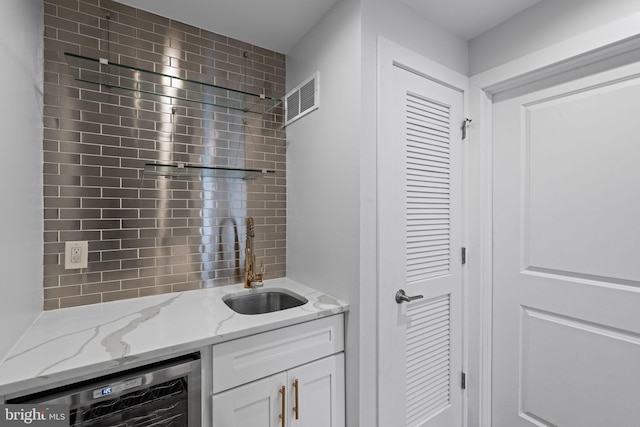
149, 376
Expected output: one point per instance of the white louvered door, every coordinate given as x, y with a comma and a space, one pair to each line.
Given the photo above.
420, 239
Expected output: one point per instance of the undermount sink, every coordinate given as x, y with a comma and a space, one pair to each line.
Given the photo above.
260, 301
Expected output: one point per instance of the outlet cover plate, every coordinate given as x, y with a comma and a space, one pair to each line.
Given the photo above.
76, 255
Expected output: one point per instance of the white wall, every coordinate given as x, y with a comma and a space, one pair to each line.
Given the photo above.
323, 236
323, 157
402, 25
331, 165
544, 24
21, 39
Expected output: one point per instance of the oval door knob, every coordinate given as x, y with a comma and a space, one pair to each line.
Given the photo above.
401, 297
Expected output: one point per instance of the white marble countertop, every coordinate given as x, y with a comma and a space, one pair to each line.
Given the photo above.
86, 341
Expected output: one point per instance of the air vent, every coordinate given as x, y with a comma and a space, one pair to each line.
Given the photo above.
302, 100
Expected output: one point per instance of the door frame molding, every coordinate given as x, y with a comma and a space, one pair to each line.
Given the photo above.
606, 47
391, 55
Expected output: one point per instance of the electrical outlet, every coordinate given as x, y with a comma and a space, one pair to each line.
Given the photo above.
76, 255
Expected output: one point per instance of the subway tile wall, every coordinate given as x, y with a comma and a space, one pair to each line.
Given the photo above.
149, 236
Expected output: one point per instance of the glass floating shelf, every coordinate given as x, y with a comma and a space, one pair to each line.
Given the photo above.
111, 74
187, 172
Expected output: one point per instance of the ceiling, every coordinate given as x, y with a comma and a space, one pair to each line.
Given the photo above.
272, 24
468, 19
279, 24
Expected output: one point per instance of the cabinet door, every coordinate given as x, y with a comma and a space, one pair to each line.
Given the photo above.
320, 401
257, 404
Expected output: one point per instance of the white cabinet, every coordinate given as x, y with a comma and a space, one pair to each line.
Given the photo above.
290, 377
320, 400
257, 404
311, 395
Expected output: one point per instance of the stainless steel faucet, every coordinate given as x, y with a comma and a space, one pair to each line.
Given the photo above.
252, 279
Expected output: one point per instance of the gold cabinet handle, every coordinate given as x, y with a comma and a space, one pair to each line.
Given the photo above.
296, 408
282, 392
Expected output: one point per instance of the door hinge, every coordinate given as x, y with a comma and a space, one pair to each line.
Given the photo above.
465, 128
463, 381
464, 255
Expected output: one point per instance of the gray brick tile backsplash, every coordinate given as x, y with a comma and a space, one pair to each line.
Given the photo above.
153, 236
75, 301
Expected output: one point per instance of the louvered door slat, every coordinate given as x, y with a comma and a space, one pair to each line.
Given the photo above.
419, 194
425, 238
430, 210
419, 189
429, 132
428, 186
433, 245
433, 320
439, 386
425, 156
417, 242
428, 358
429, 116
415, 141
428, 256
426, 410
440, 119
420, 377
424, 225
421, 239
417, 177
433, 259
434, 128
423, 375
427, 309
421, 152
425, 176
432, 345
429, 333
422, 365
417, 174
418, 138
425, 172
432, 162
426, 222
434, 336
430, 341
426, 375
419, 181
432, 110
434, 224
430, 271
433, 254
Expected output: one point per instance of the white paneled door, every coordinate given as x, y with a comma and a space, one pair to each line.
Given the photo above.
420, 239
566, 320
